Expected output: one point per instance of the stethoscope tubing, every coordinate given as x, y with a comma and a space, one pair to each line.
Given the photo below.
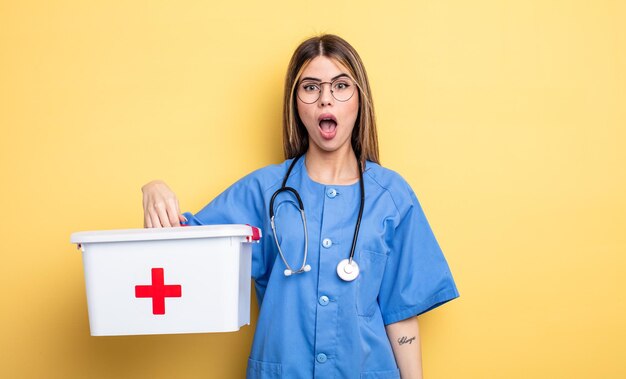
357, 226
303, 267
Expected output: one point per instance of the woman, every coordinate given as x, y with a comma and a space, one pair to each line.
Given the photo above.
349, 310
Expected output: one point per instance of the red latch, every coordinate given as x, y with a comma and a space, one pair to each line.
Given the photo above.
256, 233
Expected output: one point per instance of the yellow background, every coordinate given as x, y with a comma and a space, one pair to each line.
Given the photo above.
508, 118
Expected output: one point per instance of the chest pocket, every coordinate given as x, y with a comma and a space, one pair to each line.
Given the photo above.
263, 370
371, 270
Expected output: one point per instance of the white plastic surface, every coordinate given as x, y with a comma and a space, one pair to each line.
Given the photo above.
211, 264
146, 234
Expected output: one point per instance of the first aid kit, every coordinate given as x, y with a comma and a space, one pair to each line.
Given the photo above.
193, 279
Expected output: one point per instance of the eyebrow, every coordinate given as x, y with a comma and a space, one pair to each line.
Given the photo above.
319, 80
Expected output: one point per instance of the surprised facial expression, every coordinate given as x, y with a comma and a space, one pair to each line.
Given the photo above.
330, 119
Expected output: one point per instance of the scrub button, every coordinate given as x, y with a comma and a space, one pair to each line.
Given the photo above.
326, 242
324, 300
321, 358
331, 192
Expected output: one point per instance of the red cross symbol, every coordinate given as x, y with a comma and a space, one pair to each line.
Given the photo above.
158, 291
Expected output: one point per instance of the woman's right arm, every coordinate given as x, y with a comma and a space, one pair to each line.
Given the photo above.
160, 206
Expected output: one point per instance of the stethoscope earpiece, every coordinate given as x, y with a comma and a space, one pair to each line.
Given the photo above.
289, 272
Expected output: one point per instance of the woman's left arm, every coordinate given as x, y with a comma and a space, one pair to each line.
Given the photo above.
405, 340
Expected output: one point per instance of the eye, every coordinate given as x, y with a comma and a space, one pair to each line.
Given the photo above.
341, 85
310, 87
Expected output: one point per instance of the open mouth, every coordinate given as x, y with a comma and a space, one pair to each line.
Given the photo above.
328, 125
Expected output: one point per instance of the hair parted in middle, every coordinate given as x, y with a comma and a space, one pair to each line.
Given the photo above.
295, 138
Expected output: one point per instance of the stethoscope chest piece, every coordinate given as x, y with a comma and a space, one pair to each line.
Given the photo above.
347, 270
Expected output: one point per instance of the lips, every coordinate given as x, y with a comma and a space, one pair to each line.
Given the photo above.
328, 125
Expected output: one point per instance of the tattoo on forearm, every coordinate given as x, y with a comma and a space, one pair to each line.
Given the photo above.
404, 339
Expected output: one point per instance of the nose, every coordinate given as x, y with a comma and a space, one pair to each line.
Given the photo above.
326, 96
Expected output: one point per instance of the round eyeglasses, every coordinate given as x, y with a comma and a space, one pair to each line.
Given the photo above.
342, 89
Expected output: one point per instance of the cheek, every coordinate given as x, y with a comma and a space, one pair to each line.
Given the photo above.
303, 113
353, 109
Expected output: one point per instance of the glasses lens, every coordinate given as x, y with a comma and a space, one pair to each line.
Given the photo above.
342, 89
309, 91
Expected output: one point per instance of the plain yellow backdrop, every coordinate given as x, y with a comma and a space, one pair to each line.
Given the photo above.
508, 118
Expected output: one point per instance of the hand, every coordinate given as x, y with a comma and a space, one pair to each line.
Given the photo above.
160, 206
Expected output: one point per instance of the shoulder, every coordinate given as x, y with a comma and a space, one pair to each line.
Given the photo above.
266, 177
392, 184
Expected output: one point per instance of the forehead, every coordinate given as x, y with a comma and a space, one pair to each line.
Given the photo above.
323, 68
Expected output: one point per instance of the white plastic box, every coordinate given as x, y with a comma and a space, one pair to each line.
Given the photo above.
193, 279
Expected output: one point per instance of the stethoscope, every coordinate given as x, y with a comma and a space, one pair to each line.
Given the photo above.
347, 269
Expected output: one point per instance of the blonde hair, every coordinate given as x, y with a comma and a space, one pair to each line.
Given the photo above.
295, 138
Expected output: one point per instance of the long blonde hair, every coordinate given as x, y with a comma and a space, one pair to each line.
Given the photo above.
295, 138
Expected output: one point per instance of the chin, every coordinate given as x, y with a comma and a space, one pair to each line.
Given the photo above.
329, 147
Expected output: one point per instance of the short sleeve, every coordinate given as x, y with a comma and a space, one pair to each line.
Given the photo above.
238, 204
417, 277
241, 203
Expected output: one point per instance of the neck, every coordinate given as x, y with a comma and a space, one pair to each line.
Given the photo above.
337, 167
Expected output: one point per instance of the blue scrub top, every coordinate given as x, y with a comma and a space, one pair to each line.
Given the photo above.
315, 325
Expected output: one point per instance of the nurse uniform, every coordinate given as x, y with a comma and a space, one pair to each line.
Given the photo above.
315, 325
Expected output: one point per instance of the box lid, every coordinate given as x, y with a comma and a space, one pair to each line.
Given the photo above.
183, 232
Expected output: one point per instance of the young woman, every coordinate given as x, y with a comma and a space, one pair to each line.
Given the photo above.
339, 288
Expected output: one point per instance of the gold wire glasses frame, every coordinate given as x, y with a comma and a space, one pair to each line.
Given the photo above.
341, 88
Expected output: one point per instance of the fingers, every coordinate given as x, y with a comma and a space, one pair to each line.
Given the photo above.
154, 217
172, 212
180, 219
161, 211
147, 223
160, 206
